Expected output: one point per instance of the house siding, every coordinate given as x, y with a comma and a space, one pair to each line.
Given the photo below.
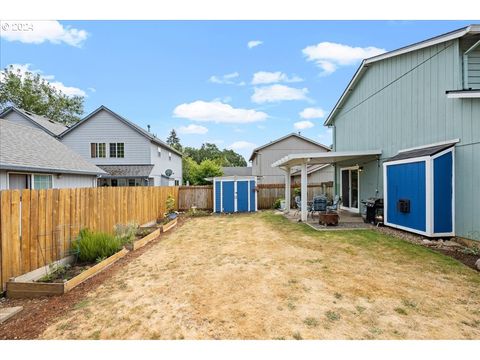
19, 119
261, 164
105, 128
65, 180
324, 175
400, 103
162, 163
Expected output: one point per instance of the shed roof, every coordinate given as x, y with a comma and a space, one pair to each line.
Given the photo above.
52, 127
237, 170
29, 149
134, 126
255, 151
422, 152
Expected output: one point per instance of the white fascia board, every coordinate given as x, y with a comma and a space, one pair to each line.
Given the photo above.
468, 94
307, 157
447, 142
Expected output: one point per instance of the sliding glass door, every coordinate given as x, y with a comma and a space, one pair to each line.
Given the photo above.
350, 189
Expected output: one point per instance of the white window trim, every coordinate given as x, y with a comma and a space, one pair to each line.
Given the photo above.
354, 210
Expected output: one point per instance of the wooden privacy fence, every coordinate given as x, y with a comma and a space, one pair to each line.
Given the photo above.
37, 226
268, 193
199, 196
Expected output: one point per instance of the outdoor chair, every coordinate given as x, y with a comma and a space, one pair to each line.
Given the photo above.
335, 205
319, 204
298, 205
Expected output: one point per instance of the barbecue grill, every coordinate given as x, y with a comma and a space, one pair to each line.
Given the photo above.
373, 211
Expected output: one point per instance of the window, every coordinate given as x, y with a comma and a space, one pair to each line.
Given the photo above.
97, 150
42, 181
117, 150
170, 156
177, 182
159, 149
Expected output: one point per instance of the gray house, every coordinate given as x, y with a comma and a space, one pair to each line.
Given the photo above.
130, 155
264, 156
407, 129
30, 119
32, 159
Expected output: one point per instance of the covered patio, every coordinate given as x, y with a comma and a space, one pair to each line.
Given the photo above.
303, 160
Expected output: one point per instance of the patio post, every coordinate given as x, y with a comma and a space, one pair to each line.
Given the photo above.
304, 192
287, 189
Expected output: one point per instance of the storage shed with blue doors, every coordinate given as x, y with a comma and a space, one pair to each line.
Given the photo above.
419, 190
234, 194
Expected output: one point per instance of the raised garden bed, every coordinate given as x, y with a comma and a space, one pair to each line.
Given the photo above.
40, 283
169, 225
145, 235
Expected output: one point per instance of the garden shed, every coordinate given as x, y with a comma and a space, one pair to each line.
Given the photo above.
419, 191
234, 194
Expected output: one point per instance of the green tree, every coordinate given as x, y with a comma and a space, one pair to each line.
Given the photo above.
210, 151
174, 141
189, 170
207, 168
32, 93
231, 158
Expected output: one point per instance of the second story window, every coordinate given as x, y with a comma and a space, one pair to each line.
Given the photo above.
170, 156
98, 150
117, 150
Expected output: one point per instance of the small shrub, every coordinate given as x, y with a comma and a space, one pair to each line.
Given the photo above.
193, 212
276, 204
91, 246
297, 336
297, 192
170, 205
471, 251
126, 233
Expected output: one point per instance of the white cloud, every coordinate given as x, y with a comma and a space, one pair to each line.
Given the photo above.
253, 43
312, 113
91, 89
305, 124
276, 93
266, 77
37, 32
329, 56
242, 145
226, 79
67, 90
217, 112
192, 129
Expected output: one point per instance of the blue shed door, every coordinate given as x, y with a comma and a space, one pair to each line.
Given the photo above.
443, 193
228, 196
407, 182
252, 195
242, 196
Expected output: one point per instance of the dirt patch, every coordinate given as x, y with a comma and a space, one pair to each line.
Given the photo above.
39, 313
467, 259
64, 272
261, 277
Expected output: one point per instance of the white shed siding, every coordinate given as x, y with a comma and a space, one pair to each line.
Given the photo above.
261, 164
105, 128
161, 163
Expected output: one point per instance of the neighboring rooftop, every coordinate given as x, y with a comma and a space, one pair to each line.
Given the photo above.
310, 169
134, 126
237, 171
25, 148
256, 150
52, 127
127, 171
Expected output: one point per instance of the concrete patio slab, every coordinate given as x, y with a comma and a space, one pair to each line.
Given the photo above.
7, 313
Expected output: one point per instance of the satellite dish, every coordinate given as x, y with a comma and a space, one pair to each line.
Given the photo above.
168, 172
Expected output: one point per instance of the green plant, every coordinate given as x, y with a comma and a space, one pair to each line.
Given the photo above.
310, 322
55, 271
91, 246
471, 251
277, 203
401, 311
170, 205
126, 233
332, 315
297, 192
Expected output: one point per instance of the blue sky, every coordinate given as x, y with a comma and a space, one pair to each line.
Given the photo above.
202, 78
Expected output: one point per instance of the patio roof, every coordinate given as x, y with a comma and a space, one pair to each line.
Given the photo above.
325, 157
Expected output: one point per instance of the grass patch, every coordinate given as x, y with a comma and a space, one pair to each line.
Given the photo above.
297, 336
409, 303
360, 309
313, 261
82, 304
310, 322
338, 296
291, 306
400, 311
332, 315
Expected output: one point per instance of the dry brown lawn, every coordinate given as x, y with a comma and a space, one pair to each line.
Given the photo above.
260, 277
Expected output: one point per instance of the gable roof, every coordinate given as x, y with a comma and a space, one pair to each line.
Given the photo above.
132, 125
26, 148
311, 169
256, 150
52, 127
471, 29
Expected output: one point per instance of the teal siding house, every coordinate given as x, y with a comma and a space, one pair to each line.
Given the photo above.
420, 106
407, 130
